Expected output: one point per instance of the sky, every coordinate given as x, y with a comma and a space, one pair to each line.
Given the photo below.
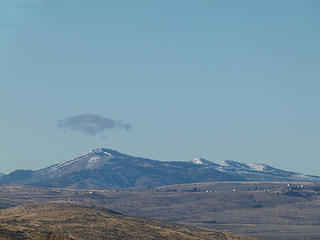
167, 80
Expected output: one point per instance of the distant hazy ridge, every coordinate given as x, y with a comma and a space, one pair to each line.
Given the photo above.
106, 168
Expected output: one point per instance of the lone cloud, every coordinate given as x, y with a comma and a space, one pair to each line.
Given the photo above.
90, 124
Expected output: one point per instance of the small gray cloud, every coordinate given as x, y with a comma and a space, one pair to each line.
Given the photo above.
90, 124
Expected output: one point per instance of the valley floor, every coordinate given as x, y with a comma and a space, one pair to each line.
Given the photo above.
264, 210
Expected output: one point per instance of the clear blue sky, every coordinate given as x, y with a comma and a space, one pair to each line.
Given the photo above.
216, 79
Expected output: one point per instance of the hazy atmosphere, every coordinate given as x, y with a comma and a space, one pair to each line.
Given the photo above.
168, 80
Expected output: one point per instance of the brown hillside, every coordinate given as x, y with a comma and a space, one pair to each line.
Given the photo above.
73, 221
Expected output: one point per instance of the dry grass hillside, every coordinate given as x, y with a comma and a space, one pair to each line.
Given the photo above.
265, 210
72, 221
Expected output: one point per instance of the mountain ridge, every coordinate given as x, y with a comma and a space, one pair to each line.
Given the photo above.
106, 168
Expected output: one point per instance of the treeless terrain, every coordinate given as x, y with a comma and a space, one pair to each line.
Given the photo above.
74, 221
266, 210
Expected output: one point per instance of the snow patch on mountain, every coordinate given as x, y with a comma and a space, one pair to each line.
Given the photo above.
198, 161
90, 160
234, 164
97, 160
61, 165
246, 166
93, 159
203, 162
257, 167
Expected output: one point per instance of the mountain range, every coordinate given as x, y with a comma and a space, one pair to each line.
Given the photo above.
106, 168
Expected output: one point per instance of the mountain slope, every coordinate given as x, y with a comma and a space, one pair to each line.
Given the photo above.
106, 168
71, 221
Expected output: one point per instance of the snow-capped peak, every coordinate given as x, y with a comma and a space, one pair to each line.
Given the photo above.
201, 161
93, 159
99, 155
100, 151
197, 161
